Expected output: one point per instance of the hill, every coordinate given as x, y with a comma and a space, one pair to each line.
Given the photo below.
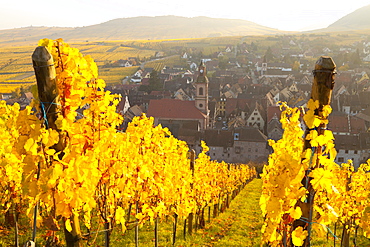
138, 28
357, 20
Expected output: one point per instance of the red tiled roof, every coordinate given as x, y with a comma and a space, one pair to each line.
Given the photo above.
174, 109
272, 111
339, 123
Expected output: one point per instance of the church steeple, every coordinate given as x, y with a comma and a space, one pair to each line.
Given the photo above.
201, 86
202, 77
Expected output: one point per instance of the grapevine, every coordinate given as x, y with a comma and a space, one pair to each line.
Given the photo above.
341, 193
84, 167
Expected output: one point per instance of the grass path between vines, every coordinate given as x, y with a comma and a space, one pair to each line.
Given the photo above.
239, 225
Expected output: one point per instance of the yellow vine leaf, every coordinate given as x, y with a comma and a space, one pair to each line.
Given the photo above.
298, 236
295, 213
68, 225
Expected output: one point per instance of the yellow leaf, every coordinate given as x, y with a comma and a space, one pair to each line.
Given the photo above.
298, 236
295, 213
68, 225
313, 105
50, 152
31, 146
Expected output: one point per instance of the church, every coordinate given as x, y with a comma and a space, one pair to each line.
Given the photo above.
182, 115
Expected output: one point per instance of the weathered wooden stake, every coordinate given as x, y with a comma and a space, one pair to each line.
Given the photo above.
174, 229
137, 225
43, 65
191, 215
322, 88
156, 232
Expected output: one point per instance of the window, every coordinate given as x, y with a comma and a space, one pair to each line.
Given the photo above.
340, 159
258, 119
355, 152
200, 105
252, 118
255, 113
237, 150
256, 150
346, 151
236, 136
200, 91
249, 149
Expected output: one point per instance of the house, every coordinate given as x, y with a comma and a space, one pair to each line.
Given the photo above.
355, 148
181, 95
274, 128
367, 58
138, 73
250, 144
257, 117
220, 143
344, 124
123, 63
193, 66
219, 54
185, 55
5, 96
240, 145
123, 106
275, 70
134, 111
228, 48
159, 54
136, 79
176, 110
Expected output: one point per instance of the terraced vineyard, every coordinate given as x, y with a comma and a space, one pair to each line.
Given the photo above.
16, 64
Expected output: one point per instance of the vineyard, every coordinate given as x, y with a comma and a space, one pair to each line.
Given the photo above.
16, 67
63, 163
305, 193
70, 176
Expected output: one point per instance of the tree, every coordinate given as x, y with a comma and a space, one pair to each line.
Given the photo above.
155, 83
296, 66
356, 59
269, 56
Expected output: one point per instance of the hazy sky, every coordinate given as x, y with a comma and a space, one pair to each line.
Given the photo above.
289, 15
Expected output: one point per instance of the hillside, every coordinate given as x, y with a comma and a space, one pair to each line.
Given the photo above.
357, 20
136, 28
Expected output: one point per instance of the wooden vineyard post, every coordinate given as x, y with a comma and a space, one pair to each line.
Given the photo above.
174, 229
322, 88
191, 215
43, 65
347, 223
156, 232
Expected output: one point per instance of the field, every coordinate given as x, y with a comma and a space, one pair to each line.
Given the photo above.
16, 65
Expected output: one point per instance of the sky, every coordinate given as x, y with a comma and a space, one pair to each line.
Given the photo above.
287, 15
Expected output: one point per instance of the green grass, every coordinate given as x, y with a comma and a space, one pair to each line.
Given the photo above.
239, 225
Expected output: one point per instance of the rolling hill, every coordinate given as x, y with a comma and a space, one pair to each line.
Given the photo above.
136, 28
357, 20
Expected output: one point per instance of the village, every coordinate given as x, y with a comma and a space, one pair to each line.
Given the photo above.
236, 109
230, 99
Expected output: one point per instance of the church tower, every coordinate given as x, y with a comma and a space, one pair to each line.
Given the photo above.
201, 86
